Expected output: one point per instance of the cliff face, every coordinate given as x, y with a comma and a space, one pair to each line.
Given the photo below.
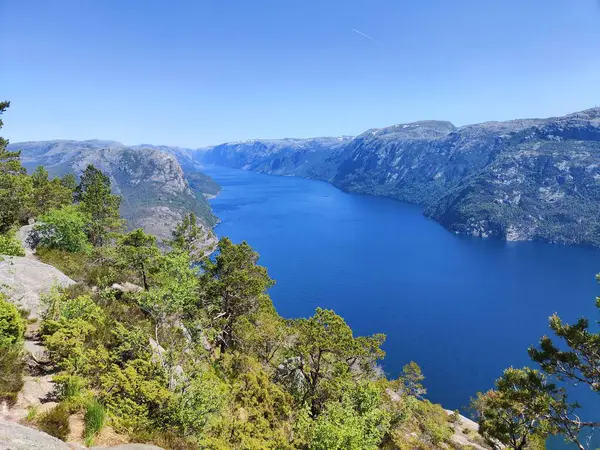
516, 180
152, 183
543, 183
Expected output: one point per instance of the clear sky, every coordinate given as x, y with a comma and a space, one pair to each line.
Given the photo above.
197, 72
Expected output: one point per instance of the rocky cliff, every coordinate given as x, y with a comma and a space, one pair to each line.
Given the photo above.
516, 180
151, 181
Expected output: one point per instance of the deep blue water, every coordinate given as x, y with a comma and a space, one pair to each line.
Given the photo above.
463, 308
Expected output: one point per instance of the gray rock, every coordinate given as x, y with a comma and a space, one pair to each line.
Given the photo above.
22, 280
17, 437
131, 447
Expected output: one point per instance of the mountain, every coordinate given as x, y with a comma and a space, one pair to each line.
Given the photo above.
310, 158
155, 192
531, 179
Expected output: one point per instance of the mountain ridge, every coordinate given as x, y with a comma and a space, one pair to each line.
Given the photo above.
155, 191
522, 179
459, 173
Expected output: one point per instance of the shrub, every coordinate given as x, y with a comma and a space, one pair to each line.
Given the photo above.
94, 420
11, 372
10, 245
12, 326
63, 229
56, 422
68, 386
72, 264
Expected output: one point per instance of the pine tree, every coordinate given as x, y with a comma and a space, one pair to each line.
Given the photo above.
95, 197
15, 186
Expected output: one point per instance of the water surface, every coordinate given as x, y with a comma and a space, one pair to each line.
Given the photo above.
463, 308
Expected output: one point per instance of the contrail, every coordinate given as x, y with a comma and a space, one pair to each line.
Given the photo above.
365, 35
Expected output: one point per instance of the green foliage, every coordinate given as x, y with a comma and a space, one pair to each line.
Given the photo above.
94, 419
10, 245
149, 359
16, 189
517, 410
11, 372
12, 325
50, 194
63, 229
580, 361
328, 356
94, 196
357, 422
198, 402
232, 285
56, 422
138, 252
187, 235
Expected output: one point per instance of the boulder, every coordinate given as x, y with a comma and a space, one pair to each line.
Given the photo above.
17, 437
22, 280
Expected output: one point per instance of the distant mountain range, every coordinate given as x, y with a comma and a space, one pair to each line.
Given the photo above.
532, 179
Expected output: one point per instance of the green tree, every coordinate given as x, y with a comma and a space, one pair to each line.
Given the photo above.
138, 251
232, 285
187, 235
357, 422
326, 356
173, 286
264, 333
69, 181
48, 194
95, 197
10, 245
575, 361
516, 414
580, 361
63, 229
15, 186
12, 326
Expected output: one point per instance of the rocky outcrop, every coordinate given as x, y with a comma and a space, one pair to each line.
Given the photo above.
18, 437
23, 280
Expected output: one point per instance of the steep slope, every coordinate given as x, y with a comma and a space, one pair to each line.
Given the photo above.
516, 180
155, 191
544, 183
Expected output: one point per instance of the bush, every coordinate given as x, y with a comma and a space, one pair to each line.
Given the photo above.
12, 326
56, 422
94, 420
63, 229
73, 265
11, 373
10, 245
68, 386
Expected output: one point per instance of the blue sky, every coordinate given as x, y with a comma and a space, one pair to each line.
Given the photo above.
196, 72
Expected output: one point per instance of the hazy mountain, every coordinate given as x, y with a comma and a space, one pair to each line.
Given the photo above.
155, 191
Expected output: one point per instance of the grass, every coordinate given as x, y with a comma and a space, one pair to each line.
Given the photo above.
94, 419
31, 413
11, 373
56, 422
